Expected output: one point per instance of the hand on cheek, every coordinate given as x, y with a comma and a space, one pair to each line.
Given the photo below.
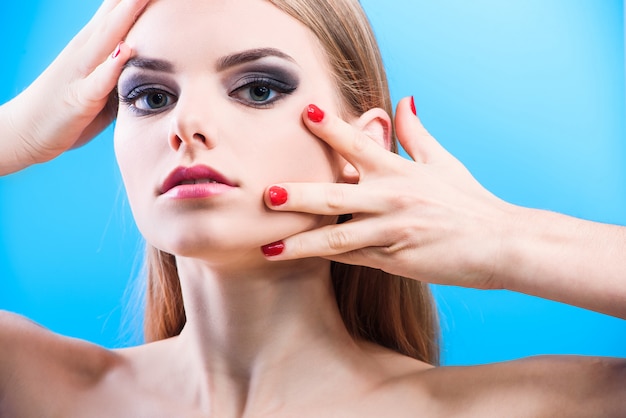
365, 144
427, 219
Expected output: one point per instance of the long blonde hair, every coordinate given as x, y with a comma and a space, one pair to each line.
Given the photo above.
392, 311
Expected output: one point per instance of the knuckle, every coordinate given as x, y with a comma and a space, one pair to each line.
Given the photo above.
403, 201
83, 69
71, 98
338, 240
360, 141
335, 198
400, 239
75, 98
404, 237
295, 248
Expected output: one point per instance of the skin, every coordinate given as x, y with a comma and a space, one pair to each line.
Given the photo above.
263, 338
77, 85
57, 376
430, 220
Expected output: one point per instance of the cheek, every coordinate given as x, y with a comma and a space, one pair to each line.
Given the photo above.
284, 150
125, 149
310, 159
135, 158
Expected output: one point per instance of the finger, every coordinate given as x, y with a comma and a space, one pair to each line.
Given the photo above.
413, 137
103, 10
327, 241
374, 257
324, 198
85, 33
355, 146
95, 93
100, 83
111, 29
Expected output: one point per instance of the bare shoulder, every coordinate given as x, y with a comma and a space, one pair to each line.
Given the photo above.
36, 363
22, 339
538, 386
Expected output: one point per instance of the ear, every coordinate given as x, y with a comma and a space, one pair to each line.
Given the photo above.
375, 124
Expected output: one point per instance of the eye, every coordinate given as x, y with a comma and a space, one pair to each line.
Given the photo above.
151, 101
260, 91
147, 100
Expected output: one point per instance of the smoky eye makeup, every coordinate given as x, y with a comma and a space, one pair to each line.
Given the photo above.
128, 83
259, 84
146, 94
146, 87
275, 71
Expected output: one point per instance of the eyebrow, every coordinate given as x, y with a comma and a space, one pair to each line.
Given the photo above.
224, 63
152, 64
233, 60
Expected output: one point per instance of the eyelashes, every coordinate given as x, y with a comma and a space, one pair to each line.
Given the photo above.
253, 90
148, 99
261, 91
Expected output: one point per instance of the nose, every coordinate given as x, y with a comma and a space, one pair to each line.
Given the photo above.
191, 125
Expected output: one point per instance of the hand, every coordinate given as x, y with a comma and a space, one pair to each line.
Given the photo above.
426, 219
68, 104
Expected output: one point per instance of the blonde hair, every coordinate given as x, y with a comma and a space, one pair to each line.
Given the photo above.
392, 311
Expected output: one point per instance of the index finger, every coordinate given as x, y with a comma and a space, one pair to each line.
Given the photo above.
106, 7
351, 143
111, 27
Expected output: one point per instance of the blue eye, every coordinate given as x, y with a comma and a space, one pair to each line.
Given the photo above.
151, 101
147, 100
260, 91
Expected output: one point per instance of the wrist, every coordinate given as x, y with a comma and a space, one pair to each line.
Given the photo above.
22, 128
31, 126
490, 256
524, 236
542, 252
14, 153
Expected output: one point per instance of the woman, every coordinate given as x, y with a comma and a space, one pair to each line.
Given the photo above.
259, 338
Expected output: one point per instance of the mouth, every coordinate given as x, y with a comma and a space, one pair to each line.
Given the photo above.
189, 176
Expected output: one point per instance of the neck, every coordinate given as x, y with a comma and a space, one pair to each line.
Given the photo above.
253, 334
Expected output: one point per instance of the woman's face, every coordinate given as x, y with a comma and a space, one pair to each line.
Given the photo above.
210, 116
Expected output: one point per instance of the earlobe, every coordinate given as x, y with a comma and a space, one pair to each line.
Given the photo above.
375, 124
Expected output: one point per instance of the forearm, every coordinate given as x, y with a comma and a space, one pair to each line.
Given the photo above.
569, 260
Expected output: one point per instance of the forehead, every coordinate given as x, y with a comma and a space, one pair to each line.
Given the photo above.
202, 28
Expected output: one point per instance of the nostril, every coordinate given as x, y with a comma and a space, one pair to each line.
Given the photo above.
175, 142
200, 137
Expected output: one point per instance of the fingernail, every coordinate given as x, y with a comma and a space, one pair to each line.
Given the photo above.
315, 114
274, 249
278, 195
117, 51
413, 109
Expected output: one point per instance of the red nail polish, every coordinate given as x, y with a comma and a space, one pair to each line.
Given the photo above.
117, 51
278, 195
315, 114
274, 249
413, 109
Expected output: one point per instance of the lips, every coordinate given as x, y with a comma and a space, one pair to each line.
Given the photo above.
199, 174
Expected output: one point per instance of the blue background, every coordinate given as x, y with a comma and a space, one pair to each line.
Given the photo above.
529, 94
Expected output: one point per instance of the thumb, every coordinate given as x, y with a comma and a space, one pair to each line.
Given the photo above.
414, 138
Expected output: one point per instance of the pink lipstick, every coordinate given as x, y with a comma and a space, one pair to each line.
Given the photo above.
197, 182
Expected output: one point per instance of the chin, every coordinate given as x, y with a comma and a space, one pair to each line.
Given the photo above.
228, 240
